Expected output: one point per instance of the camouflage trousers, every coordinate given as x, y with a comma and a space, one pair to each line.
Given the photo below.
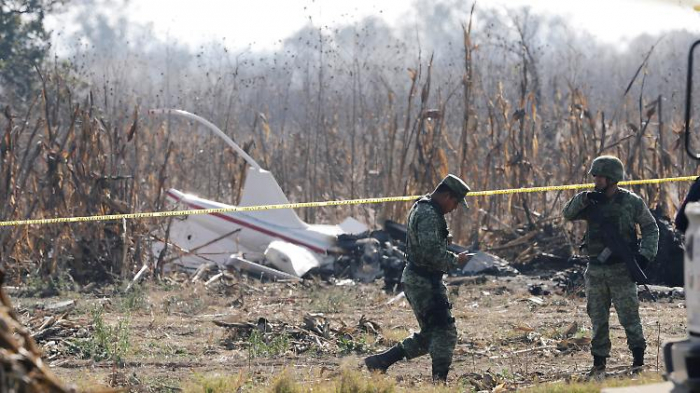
438, 334
606, 284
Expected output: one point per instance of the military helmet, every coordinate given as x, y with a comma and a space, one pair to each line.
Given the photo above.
458, 187
608, 166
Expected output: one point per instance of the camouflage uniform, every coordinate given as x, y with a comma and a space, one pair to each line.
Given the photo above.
428, 259
610, 281
426, 249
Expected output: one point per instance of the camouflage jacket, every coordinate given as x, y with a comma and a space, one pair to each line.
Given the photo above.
625, 210
426, 238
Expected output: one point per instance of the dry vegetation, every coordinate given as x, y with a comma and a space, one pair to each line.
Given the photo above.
64, 156
84, 145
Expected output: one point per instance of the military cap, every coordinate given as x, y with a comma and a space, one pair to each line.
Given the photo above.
457, 186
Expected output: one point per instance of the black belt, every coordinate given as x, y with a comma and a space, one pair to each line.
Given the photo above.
430, 274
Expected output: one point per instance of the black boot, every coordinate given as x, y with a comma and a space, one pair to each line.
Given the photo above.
382, 361
638, 362
598, 369
440, 375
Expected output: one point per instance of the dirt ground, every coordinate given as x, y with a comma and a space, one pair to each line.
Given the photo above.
177, 335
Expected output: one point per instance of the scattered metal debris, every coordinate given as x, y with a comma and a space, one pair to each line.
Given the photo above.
257, 270
538, 289
485, 263
658, 292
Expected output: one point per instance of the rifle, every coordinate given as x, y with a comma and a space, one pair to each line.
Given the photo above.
614, 241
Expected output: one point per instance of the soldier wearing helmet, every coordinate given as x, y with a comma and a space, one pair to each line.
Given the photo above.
428, 259
607, 278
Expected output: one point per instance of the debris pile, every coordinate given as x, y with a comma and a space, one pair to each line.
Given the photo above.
570, 280
316, 332
667, 267
56, 340
485, 263
371, 256
543, 250
55, 332
538, 289
655, 293
378, 254
366, 257
531, 249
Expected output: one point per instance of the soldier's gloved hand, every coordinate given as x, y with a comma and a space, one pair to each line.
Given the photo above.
595, 197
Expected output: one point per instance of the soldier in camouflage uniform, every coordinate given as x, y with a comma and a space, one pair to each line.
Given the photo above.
428, 259
607, 278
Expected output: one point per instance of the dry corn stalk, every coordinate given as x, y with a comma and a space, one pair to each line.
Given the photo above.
21, 367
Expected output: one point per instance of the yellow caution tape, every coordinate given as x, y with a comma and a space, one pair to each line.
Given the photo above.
579, 186
130, 216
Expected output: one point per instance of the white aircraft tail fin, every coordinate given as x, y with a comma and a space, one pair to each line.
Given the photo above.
261, 188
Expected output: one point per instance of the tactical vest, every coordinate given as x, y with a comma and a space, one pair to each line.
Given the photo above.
620, 212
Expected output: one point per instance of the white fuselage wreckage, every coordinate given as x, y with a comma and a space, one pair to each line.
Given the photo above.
277, 236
